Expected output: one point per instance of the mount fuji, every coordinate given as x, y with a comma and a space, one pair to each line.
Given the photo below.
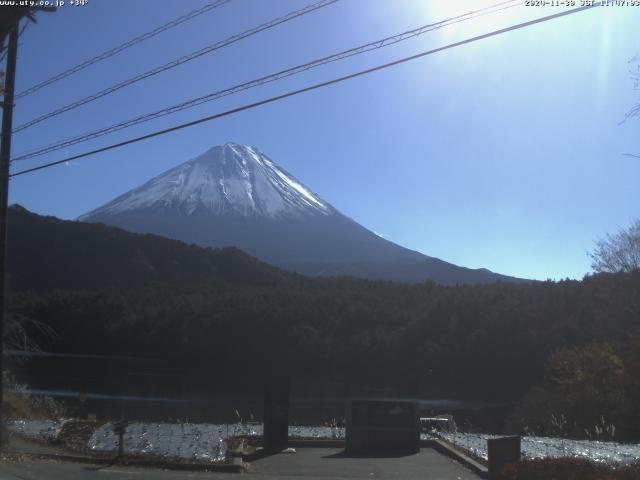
234, 195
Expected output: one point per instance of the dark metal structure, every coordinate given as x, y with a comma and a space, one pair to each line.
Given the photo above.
276, 414
382, 427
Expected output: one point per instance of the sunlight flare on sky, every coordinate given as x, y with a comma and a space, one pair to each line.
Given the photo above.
497, 15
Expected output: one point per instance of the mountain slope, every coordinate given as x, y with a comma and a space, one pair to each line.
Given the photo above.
46, 253
234, 195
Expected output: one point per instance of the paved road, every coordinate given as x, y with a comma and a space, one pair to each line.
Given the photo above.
41, 470
315, 463
320, 463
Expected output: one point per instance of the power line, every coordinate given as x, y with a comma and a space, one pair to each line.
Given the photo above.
303, 90
178, 61
130, 43
267, 79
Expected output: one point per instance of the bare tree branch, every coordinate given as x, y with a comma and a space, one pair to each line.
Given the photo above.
635, 77
619, 252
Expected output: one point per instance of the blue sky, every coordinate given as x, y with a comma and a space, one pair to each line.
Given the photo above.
505, 153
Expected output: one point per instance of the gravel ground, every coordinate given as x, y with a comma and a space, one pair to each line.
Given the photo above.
37, 429
208, 442
200, 442
544, 447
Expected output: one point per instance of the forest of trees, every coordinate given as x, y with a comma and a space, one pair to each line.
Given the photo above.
488, 342
567, 352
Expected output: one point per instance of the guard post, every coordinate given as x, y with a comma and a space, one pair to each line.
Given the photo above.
500, 452
119, 428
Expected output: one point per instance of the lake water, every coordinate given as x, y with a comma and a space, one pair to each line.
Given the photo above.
224, 409
153, 390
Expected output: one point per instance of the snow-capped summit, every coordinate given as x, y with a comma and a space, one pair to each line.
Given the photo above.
229, 179
234, 195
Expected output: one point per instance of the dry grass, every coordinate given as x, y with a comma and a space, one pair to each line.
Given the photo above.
18, 404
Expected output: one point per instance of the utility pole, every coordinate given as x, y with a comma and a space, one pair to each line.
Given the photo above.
9, 21
5, 158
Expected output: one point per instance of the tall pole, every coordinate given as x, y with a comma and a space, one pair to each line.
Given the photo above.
5, 157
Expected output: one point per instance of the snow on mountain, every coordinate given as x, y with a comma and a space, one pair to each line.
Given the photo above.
233, 178
234, 195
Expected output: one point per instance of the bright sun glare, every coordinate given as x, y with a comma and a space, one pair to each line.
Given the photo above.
483, 15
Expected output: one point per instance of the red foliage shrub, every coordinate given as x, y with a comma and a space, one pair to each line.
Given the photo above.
569, 469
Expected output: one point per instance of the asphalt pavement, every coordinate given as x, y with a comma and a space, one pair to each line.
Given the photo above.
315, 463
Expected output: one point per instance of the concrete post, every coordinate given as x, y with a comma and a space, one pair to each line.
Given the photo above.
502, 451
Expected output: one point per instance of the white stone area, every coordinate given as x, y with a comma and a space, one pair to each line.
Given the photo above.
202, 442
547, 447
197, 442
36, 429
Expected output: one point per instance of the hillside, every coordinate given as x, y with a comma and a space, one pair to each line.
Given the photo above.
46, 253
